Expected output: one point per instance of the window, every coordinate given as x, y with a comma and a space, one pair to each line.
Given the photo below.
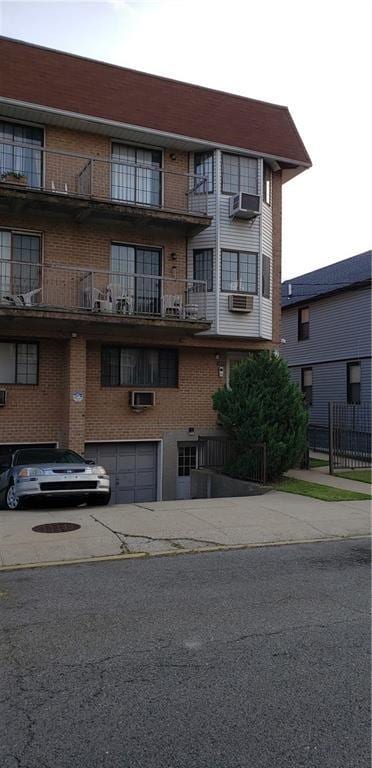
307, 385
16, 158
203, 266
239, 272
203, 166
142, 293
20, 256
187, 460
353, 382
139, 367
267, 183
18, 363
135, 175
239, 174
266, 274
303, 323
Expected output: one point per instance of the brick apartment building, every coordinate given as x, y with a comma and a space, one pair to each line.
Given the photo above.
140, 256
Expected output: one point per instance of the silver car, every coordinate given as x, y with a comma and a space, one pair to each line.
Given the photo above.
52, 472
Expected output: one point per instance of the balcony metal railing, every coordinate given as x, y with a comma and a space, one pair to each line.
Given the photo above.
25, 166
57, 287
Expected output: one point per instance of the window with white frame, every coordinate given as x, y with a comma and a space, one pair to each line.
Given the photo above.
18, 363
19, 153
203, 166
239, 174
239, 271
20, 257
203, 266
136, 177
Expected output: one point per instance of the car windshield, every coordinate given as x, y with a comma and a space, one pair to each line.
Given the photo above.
47, 456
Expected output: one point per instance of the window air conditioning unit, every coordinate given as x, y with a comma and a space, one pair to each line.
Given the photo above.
141, 399
3, 394
244, 206
239, 302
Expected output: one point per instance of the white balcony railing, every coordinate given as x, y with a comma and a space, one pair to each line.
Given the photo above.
24, 166
27, 285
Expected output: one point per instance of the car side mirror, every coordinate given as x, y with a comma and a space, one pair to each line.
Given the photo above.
90, 461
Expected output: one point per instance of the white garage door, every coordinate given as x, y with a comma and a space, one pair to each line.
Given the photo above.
132, 469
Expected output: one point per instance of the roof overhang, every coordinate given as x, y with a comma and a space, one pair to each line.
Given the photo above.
40, 114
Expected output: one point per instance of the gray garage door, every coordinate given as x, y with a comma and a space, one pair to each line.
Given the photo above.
132, 469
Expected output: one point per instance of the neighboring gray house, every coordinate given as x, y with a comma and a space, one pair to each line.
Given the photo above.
326, 324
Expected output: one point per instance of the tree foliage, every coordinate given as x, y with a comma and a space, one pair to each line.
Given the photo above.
263, 405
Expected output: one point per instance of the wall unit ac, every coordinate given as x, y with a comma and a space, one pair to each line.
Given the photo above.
244, 206
239, 302
3, 394
141, 399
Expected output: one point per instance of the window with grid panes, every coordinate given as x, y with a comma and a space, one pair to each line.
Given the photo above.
239, 271
136, 177
19, 151
187, 460
239, 174
18, 363
139, 367
203, 266
203, 166
20, 256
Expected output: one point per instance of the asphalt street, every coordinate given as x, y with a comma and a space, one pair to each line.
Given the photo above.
254, 658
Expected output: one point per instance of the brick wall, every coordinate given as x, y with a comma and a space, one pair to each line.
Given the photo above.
34, 413
109, 417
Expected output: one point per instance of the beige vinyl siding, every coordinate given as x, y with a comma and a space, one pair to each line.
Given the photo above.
206, 239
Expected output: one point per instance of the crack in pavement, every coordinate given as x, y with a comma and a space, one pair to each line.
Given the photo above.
174, 541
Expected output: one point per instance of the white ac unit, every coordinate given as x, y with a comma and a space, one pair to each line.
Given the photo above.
141, 399
240, 302
244, 206
3, 394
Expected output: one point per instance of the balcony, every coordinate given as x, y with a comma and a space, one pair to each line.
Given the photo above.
85, 186
30, 290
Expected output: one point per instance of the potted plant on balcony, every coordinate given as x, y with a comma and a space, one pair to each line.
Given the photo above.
13, 177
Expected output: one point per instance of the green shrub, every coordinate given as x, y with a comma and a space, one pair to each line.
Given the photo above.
263, 405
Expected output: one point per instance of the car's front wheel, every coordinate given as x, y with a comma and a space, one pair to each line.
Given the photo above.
13, 502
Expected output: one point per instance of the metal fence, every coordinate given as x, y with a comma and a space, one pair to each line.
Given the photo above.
44, 286
104, 179
349, 435
217, 452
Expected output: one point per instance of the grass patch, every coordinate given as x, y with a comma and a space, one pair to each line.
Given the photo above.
316, 491
361, 475
318, 463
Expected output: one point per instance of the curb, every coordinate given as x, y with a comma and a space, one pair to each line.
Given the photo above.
175, 552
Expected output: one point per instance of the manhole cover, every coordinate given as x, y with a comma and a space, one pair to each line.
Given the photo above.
56, 527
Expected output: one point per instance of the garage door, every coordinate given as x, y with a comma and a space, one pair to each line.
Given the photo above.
132, 469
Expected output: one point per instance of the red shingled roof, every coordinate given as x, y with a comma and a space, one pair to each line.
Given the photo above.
60, 80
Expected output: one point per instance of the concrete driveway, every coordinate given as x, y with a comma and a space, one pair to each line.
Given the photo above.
176, 526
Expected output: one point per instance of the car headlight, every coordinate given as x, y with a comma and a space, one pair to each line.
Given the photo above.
30, 472
100, 471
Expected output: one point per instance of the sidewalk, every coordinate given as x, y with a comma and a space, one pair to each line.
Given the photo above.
321, 476
177, 526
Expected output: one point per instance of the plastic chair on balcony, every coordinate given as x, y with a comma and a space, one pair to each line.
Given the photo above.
172, 306
22, 299
60, 191
122, 300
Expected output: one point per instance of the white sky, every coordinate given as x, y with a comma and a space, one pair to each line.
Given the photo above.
315, 57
